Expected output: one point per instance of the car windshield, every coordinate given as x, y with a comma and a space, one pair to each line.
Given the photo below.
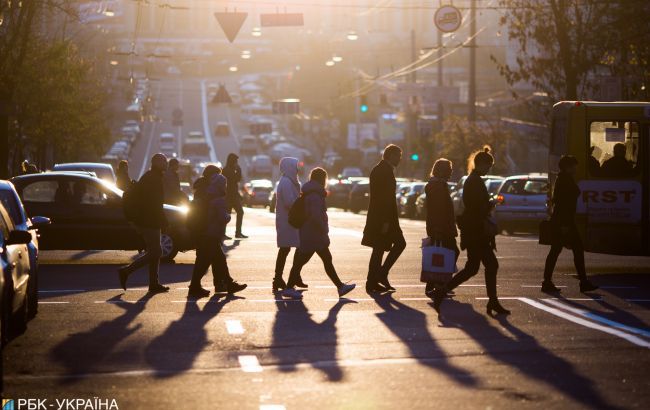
9, 202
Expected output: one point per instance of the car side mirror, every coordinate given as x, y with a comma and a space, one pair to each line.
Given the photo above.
19, 238
39, 222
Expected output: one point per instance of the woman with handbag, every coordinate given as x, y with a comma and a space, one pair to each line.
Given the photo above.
564, 231
441, 225
477, 235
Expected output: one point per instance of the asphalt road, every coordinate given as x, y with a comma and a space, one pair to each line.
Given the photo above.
91, 339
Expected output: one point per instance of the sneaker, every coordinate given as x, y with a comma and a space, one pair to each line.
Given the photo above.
234, 287
291, 293
346, 288
549, 287
586, 286
123, 273
198, 292
221, 287
158, 288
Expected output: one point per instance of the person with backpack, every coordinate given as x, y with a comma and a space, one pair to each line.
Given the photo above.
288, 237
143, 206
309, 212
207, 221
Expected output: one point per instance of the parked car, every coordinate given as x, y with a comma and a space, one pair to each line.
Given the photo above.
18, 294
359, 197
521, 202
273, 198
457, 194
339, 194
421, 207
256, 192
86, 213
103, 171
261, 165
406, 205
248, 144
222, 129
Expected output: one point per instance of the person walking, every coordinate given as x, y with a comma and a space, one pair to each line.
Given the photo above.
565, 231
172, 185
382, 231
477, 235
441, 224
314, 236
149, 220
123, 180
208, 228
288, 237
232, 172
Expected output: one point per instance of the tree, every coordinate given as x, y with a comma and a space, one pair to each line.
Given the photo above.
564, 45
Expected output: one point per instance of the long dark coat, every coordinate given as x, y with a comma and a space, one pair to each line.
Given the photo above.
382, 222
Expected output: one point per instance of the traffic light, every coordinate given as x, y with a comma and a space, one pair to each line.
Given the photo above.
363, 104
415, 157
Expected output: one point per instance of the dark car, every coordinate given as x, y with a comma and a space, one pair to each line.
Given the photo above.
359, 197
101, 170
406, 204
18, 292
86, 213
339, 194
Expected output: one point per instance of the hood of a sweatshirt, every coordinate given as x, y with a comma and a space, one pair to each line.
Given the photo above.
289, 168
217, 186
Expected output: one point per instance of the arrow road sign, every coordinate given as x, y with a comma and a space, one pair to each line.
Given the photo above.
231, 23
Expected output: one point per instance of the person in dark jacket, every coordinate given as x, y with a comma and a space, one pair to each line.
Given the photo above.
314, 236
477, 235
172, 184
209, 194
617, 166
441, 224
149, 221
123, 180
382, 231
565, 231
232, 172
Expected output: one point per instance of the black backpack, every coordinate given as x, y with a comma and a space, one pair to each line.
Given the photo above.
130, 202
297, 213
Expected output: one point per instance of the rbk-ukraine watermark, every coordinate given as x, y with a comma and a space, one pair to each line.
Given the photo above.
95, 403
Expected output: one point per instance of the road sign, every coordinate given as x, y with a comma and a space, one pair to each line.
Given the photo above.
231, 23
428, 94
447, 19
286, 106
282, 19
222, 95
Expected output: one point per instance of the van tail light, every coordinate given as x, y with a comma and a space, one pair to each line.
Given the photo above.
500, 199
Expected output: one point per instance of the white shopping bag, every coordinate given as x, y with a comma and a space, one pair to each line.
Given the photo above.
438, 263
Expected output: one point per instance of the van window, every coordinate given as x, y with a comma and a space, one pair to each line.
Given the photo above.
613, 149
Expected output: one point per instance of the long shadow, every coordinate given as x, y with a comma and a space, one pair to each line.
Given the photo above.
299, 339
526, 355
233, 246
84, 352
175, 350
411, 326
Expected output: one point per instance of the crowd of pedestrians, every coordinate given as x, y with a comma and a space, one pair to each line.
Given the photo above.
216, 194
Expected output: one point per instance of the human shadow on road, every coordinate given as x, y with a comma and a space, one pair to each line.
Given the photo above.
227, 248
523, 352
297, 338
411, 326
175, 350
84, 352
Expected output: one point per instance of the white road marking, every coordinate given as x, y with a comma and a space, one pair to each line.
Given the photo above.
575, 319
429, 299
272, 407
119, 301
52, 302
234, 327
206, 123
249, 364
590, 315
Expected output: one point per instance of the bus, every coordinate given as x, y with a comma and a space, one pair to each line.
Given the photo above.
611, 141
195, 147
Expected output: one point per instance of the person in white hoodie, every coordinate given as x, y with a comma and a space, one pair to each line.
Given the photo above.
288, 237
